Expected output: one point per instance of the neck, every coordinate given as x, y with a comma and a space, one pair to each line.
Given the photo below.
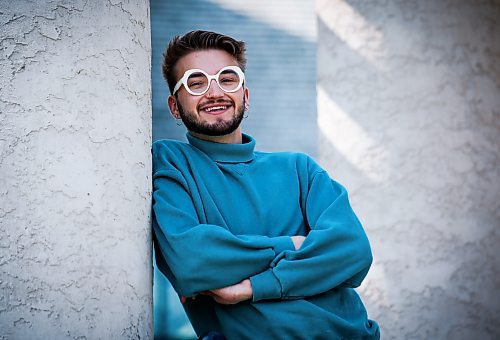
234, 137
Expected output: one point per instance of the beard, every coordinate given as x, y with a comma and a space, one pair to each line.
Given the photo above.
219, 128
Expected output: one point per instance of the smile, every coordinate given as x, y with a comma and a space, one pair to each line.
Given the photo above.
216, 108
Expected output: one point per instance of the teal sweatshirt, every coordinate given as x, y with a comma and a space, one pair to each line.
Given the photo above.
224, 213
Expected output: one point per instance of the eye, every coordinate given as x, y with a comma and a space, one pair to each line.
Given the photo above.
197, 80
228, 80
195, 83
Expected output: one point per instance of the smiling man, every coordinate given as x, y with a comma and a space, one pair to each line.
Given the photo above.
258, 245
214, 111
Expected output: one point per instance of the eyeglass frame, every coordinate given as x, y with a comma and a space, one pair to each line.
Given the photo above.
188, 73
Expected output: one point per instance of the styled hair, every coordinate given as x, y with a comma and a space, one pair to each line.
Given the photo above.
197, 40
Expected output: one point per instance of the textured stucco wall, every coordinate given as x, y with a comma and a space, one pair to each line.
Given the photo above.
75, 260
409, 114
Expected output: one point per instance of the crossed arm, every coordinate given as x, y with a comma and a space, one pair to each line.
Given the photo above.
241, 291
335, 253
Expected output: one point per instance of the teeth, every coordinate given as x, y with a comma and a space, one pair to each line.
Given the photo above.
215, 108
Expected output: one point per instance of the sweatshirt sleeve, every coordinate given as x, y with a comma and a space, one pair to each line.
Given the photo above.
336, 252
203, 256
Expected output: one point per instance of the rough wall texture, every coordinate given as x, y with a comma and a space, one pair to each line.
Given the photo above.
75, 120
409, 114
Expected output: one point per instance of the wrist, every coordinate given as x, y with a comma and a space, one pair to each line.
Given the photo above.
248, 289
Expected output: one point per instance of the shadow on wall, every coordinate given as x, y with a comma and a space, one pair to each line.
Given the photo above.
408, 113
281, 76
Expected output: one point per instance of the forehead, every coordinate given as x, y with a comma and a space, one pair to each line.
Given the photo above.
210, 61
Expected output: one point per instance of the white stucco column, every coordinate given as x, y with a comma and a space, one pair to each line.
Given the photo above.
75, 120
409, 114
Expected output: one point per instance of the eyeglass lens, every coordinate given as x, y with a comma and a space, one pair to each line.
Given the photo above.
228, 80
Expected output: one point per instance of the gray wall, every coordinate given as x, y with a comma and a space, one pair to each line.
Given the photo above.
75, 120
409, 120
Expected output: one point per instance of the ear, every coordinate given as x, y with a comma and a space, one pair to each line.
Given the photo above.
174, 109
246, 96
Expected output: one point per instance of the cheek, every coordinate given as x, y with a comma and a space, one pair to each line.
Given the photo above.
237, 99
189, 104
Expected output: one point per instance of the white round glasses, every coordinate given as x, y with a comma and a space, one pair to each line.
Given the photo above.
197, 82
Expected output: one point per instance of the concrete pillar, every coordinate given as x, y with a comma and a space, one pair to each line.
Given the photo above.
75, 260
409, 114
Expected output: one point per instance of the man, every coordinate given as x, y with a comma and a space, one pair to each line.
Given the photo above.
258, 245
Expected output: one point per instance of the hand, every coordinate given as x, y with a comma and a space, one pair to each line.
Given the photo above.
231, 295
297, 241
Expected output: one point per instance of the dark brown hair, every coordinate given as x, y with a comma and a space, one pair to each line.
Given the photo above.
192, 41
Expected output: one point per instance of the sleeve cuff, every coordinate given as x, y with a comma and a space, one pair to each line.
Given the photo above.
265, 286
282, 243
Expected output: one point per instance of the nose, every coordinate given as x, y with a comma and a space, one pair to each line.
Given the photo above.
214, 91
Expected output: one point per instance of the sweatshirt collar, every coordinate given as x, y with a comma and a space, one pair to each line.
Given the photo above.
228, 153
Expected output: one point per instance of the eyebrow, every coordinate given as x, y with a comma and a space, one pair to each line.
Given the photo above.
197, 74
228, 71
